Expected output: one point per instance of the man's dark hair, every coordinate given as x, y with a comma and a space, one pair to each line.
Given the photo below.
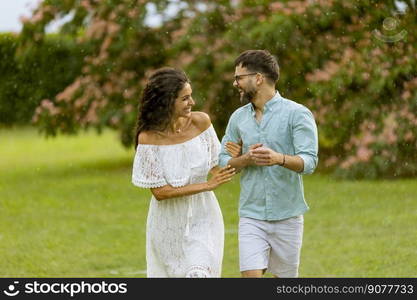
259, 61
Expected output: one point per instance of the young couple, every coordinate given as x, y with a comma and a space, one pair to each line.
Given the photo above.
271, 140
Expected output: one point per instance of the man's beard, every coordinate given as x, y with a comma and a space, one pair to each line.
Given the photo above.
247, 97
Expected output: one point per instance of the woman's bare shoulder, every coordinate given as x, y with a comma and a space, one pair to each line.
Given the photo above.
148, 137
201, 120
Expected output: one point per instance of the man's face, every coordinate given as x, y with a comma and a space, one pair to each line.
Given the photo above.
245, 82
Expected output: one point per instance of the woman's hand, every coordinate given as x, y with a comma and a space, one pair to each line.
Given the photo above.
223, 175
235, 150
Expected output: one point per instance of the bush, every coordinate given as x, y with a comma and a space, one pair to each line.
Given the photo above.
336, 57
40, 73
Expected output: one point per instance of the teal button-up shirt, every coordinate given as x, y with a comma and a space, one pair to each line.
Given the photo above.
273, 192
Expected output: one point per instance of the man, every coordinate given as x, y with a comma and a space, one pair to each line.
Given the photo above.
279, 144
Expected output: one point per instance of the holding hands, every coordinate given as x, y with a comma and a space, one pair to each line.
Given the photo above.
257, 154
263, 156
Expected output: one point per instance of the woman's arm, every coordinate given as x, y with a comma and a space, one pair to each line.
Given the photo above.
168, 191
221, 176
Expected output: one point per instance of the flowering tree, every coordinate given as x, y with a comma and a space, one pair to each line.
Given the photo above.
122, 48
353, 63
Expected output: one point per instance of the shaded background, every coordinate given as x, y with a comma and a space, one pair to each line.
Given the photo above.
78, 66
353, 63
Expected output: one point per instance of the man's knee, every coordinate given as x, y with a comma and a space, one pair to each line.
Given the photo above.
252, 273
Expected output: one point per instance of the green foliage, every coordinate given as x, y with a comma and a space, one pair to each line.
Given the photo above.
360, 85
339, 58
40, 73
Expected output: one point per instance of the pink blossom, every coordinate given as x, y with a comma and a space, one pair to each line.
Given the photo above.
330, 161
67, 94
385, 153
366, 76
364, 154
368, 139
384, 73
128, 108
406, 95
50, 107
86, 4
276, 6
91, 116
80, 102
409, 136
348, 162
128, 93
113, 28
329, 70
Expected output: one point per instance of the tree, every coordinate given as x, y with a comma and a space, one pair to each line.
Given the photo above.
348, 61
122, 47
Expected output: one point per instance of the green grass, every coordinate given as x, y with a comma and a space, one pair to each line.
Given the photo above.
68, 209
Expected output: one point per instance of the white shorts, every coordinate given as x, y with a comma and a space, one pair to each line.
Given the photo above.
271, 245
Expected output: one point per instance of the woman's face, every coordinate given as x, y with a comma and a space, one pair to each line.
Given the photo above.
184, 102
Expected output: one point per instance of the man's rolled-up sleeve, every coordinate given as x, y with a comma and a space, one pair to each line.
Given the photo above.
231, 135
305, 139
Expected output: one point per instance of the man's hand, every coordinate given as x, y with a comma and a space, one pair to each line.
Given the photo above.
243, 160
250, 160
263, 156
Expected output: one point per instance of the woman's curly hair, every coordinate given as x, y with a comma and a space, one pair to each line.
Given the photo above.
158, 100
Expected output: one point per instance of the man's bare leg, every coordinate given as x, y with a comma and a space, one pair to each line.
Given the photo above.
253, 273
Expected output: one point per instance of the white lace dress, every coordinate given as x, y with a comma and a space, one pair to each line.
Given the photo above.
184, 235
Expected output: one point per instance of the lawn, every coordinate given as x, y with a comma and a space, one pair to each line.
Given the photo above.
68, 209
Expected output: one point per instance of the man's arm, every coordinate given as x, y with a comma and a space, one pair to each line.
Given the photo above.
244, 160
305, 139
267, 157
305, 144
232, 135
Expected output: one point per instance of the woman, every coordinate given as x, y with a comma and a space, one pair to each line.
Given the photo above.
175, 150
